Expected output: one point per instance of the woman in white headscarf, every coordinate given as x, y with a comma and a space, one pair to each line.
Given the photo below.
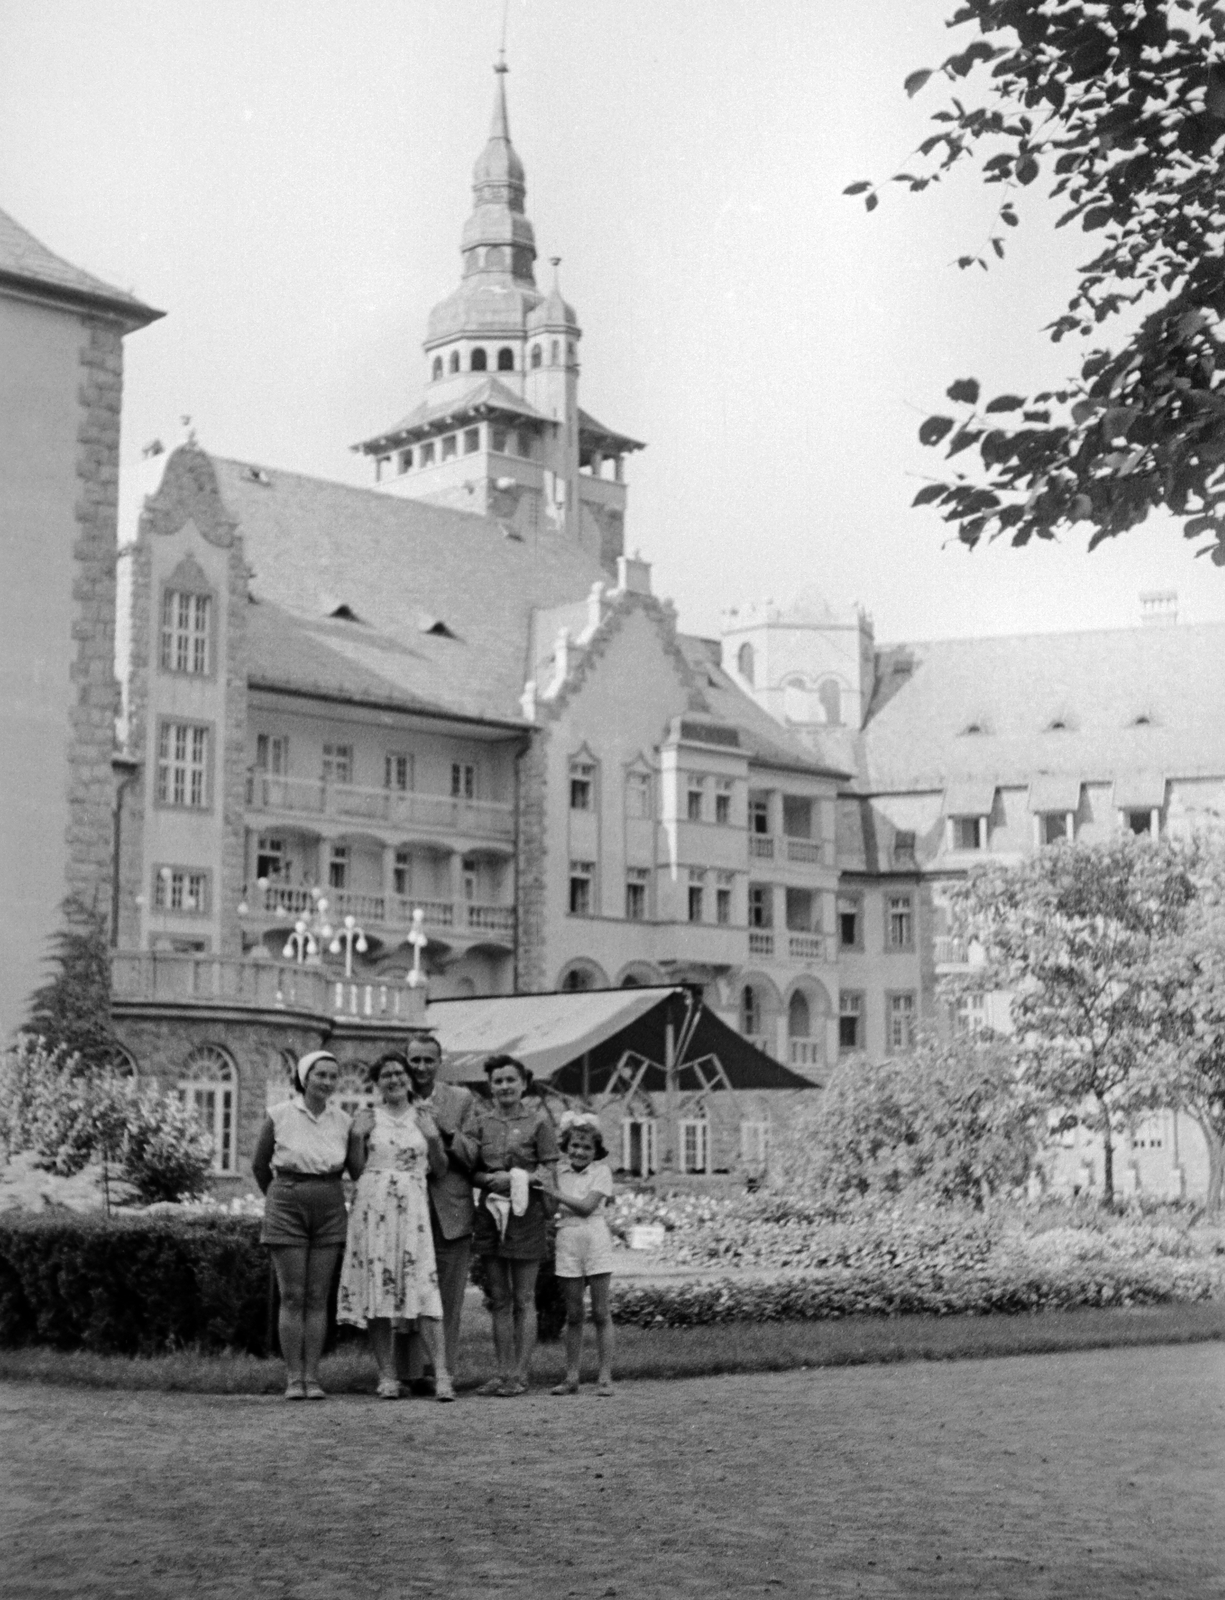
304, 1148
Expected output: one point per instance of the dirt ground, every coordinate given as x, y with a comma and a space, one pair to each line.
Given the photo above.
1093, 1474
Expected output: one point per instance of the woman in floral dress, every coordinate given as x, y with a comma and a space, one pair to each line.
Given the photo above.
389, 1277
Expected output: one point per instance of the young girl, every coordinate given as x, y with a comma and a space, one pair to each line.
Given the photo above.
584, 1244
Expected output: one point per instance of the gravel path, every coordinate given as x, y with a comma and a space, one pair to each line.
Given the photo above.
1100, 1473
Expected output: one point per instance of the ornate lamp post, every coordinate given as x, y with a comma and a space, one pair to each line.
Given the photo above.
417, 938
349, 937
309, 932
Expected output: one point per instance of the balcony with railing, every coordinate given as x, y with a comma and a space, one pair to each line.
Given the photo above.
173, 978
473, 919
805, 1052
400, 810
789, 848
950, 952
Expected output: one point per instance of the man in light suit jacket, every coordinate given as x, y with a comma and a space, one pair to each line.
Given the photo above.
452, 1213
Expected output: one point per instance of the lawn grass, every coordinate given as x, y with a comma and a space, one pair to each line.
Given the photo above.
664, 1352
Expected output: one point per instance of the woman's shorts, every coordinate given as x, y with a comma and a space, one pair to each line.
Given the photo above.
305, 1211
584, 1249
526, 1237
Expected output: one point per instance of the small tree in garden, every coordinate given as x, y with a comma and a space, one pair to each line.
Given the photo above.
949, 1122
72, 1010
1080, 936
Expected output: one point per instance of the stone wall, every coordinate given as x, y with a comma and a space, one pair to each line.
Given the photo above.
531, 867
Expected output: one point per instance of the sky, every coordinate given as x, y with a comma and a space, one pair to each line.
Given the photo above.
287, 180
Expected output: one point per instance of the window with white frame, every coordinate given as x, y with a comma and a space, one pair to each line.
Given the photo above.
754, 1143
968, 833
723, 802
582, 876
397, 771
697, 893
186, 630
750, 1011
272, 754
899, 1021
850, 922
759, 814
638, 794
1055, 826
338, 867
694, 1135
638, 1146
270, 858
180, 889
761, 905
463, 780
337, 763
693, 799
402, 872
582, 785
723, 898
970, 1013
899, 922
471, 878
850, 1019
209, 1087
636, 881
182, 765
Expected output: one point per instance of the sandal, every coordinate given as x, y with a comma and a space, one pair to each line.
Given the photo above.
315, 1392
492, 1386
388, 1389
565, 1387
295, 1389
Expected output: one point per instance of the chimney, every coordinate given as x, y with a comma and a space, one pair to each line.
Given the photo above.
1159, 608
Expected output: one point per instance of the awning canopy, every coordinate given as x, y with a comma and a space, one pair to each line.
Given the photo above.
1054, 791
970, 797
1139, 791
587, 1041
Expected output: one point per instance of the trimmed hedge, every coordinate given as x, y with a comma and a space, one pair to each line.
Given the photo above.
133, 1285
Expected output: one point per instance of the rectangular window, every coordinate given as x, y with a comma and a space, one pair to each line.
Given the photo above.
338, 867
695, 1145
581, 875
497, 441
693, 808
182, 765
186, 625
636, 879
472, 879
404, 461
1054, 826
427, 454
180, 889
969, 1014
968, 832
797, 817
761, 906
337, 763
525, 446
723, 907
638, 794
850, 1020
402, 873
900, 922
472, 441
582, 785
759, 815
850, 922
463, 780
754, 1143
270, 859
899, 1021
696, 888
398, 772
272, 754
903, 847
723, 803
448, 447
802, 907
1144, 824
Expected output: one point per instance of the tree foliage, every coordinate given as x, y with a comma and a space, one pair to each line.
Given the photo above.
1120, 106
71, 1012
1080, 936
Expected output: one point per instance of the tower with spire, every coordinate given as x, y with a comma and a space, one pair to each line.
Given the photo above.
499, 430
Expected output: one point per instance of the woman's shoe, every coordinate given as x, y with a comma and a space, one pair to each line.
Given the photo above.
388, 1389
565, 1387
604, 1389
511, 1388
315, 1392
443, 1389
295, 1389
492, 1386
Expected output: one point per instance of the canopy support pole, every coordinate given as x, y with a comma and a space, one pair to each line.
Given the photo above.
671, 1111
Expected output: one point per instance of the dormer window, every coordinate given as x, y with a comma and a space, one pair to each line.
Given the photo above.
478, 360
506, 359
554, 353
536, 355
437, 368
453, 364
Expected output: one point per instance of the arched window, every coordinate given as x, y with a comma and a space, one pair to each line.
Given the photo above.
454, 361
830, 695
437, 367
799, 1021
506, 359
744, 663
555, 354
477, 363
535, 355
576, 980
750, 1010
209, 1087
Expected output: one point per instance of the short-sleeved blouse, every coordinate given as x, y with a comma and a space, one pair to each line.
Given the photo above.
309, 1143
526, 1138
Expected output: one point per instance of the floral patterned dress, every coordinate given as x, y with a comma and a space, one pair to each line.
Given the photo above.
389, 1266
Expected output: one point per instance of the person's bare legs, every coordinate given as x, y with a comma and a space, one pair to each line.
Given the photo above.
429, 1330
289, 1262
523, 1282
320, 1270
381, 1345
573, 1290
602, 1317
502, 1313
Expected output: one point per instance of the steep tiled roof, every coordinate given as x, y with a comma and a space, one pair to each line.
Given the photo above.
486, 395
24, 261
760, 735
401, 566
1136, 699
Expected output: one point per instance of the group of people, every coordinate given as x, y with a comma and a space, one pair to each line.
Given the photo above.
440, 1172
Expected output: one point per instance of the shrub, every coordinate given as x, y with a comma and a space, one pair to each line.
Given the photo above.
133, 1285
165, 1154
